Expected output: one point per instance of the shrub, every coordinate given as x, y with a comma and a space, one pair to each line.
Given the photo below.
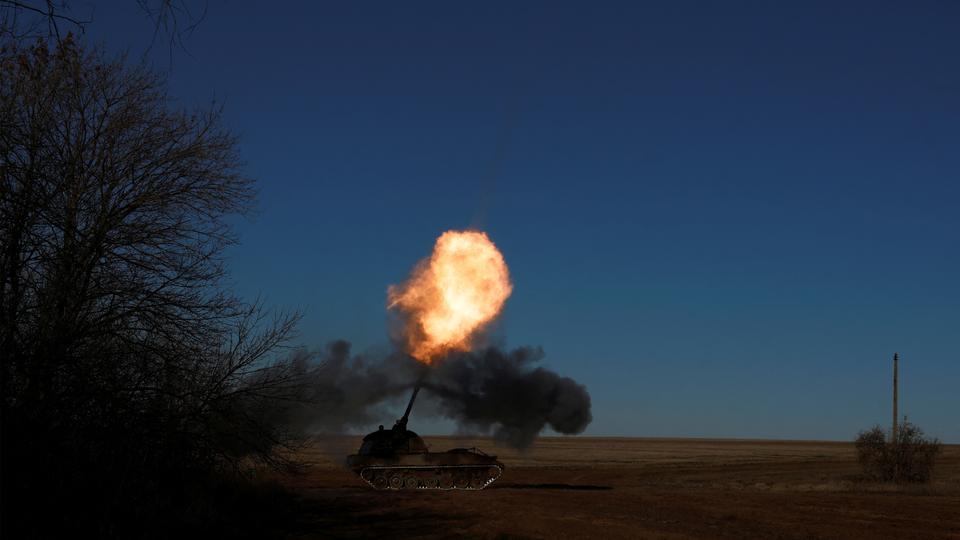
910, 458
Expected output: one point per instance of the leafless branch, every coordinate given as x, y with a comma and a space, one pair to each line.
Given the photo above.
49, 11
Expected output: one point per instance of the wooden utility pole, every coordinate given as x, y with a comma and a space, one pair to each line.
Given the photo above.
893, 432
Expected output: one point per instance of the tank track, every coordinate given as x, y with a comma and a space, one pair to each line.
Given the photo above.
443, 477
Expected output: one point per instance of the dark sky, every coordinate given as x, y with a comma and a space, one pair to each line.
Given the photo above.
722, 217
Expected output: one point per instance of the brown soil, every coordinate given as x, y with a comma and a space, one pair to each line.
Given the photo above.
638, 488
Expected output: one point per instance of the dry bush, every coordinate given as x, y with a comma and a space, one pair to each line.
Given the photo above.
908, 459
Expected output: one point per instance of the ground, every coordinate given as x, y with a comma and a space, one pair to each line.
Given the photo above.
579, 487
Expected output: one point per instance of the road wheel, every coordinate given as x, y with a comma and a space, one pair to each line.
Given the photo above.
478, 481
396, 481
446, 481
410, 482
462, 481
380, 481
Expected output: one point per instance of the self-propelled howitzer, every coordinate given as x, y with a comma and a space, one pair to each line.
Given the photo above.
397, 458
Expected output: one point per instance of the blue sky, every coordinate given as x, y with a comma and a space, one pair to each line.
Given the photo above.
723, 218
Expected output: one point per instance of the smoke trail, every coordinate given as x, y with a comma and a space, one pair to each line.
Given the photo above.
490, 391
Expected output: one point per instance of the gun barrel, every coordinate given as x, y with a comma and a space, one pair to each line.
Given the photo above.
406, 414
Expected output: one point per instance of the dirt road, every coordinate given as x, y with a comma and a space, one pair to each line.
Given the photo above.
639, 488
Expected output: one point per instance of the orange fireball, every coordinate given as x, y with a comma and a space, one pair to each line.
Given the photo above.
452, 295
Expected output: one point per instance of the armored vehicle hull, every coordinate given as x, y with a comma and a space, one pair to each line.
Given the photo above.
398, 459
460, 468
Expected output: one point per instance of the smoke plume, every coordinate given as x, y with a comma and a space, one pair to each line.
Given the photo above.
490, 391
507, 394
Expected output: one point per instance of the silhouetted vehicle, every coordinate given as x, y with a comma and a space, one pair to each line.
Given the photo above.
397, 458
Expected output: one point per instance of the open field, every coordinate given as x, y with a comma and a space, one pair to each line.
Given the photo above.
638, 488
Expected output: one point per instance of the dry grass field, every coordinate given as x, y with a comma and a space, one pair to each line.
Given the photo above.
582, 487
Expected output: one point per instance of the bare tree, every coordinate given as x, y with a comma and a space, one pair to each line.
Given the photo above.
124, 358
173, 20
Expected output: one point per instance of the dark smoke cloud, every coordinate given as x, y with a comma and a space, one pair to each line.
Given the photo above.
353, 390
504, 393
490, 391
